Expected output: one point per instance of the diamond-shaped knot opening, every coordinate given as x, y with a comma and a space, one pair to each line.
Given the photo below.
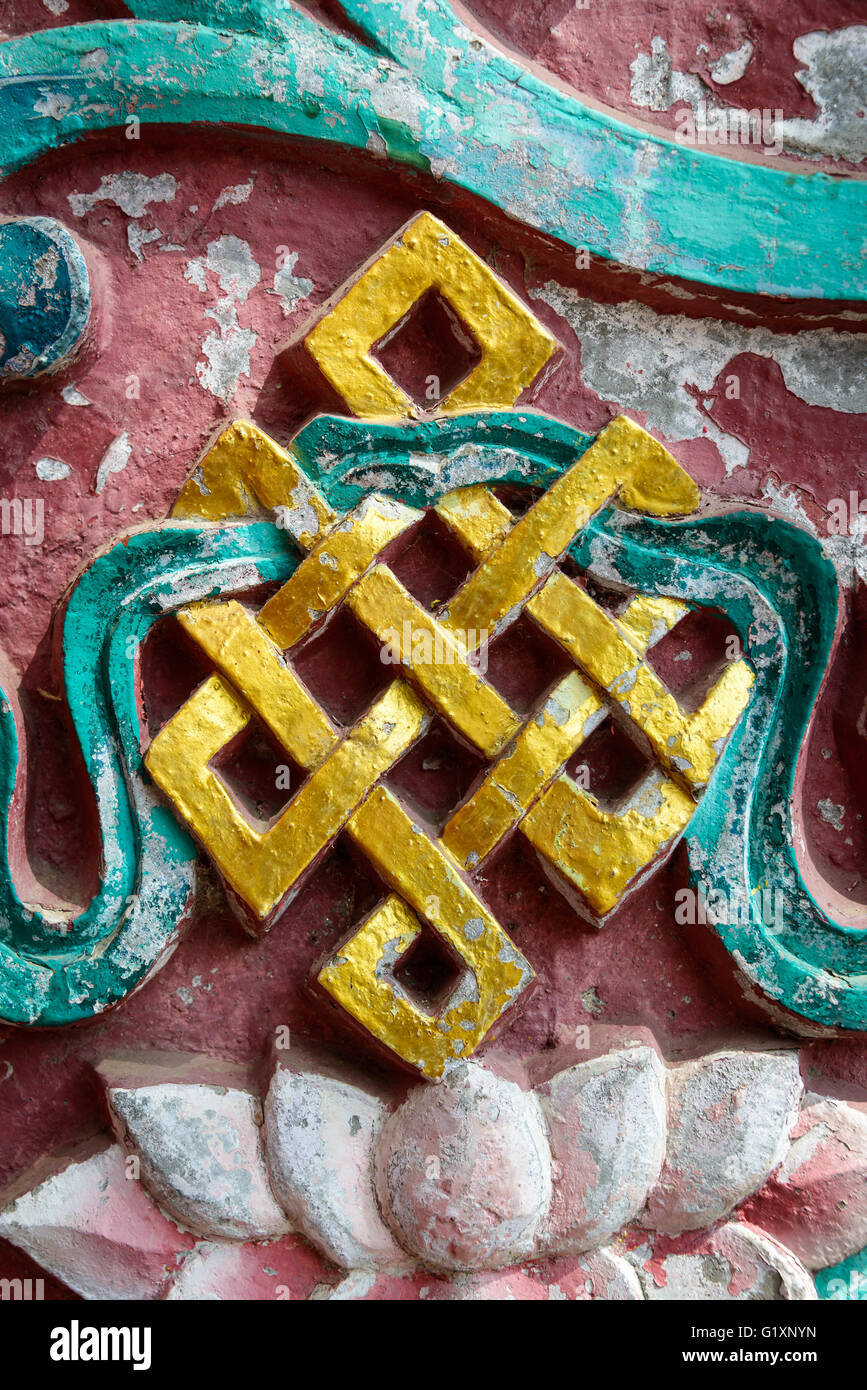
429, 351
259, 775
171, 667
436, 774
428, 972
341, 667
429, 561
524, 665
691, 657
518, 497
609, 765
611, 598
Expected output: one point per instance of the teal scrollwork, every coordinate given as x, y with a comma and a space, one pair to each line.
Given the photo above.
773, 581
44, 297
424, 89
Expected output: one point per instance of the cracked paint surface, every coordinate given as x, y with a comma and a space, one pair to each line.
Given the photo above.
666, 365
228, 347
793, 461
804, 66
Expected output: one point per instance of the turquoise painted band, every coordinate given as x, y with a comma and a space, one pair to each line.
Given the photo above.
44, 297
434, 95
776, 585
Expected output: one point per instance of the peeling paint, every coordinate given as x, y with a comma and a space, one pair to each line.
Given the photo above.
73, 396
730, 67
132, 192
290, 287
834, 74
51, 470
114, 460
645, 360
832, 813
234, 195
228, 348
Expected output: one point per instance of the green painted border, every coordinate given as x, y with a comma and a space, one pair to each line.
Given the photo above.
53, 971
773, 580
54, 325
430, 93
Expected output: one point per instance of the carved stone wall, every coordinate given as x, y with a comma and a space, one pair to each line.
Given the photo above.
433, 746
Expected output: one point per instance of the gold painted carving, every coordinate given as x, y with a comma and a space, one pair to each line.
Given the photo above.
595, 855
425, 256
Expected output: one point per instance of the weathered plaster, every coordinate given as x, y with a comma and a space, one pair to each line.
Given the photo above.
131, 191
228, 348
641, 957
459, 108
833, 73
665, 365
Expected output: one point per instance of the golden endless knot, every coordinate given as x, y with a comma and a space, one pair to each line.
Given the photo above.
594, 854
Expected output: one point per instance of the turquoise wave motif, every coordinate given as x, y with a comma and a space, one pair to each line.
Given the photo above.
773, 581
422, 88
